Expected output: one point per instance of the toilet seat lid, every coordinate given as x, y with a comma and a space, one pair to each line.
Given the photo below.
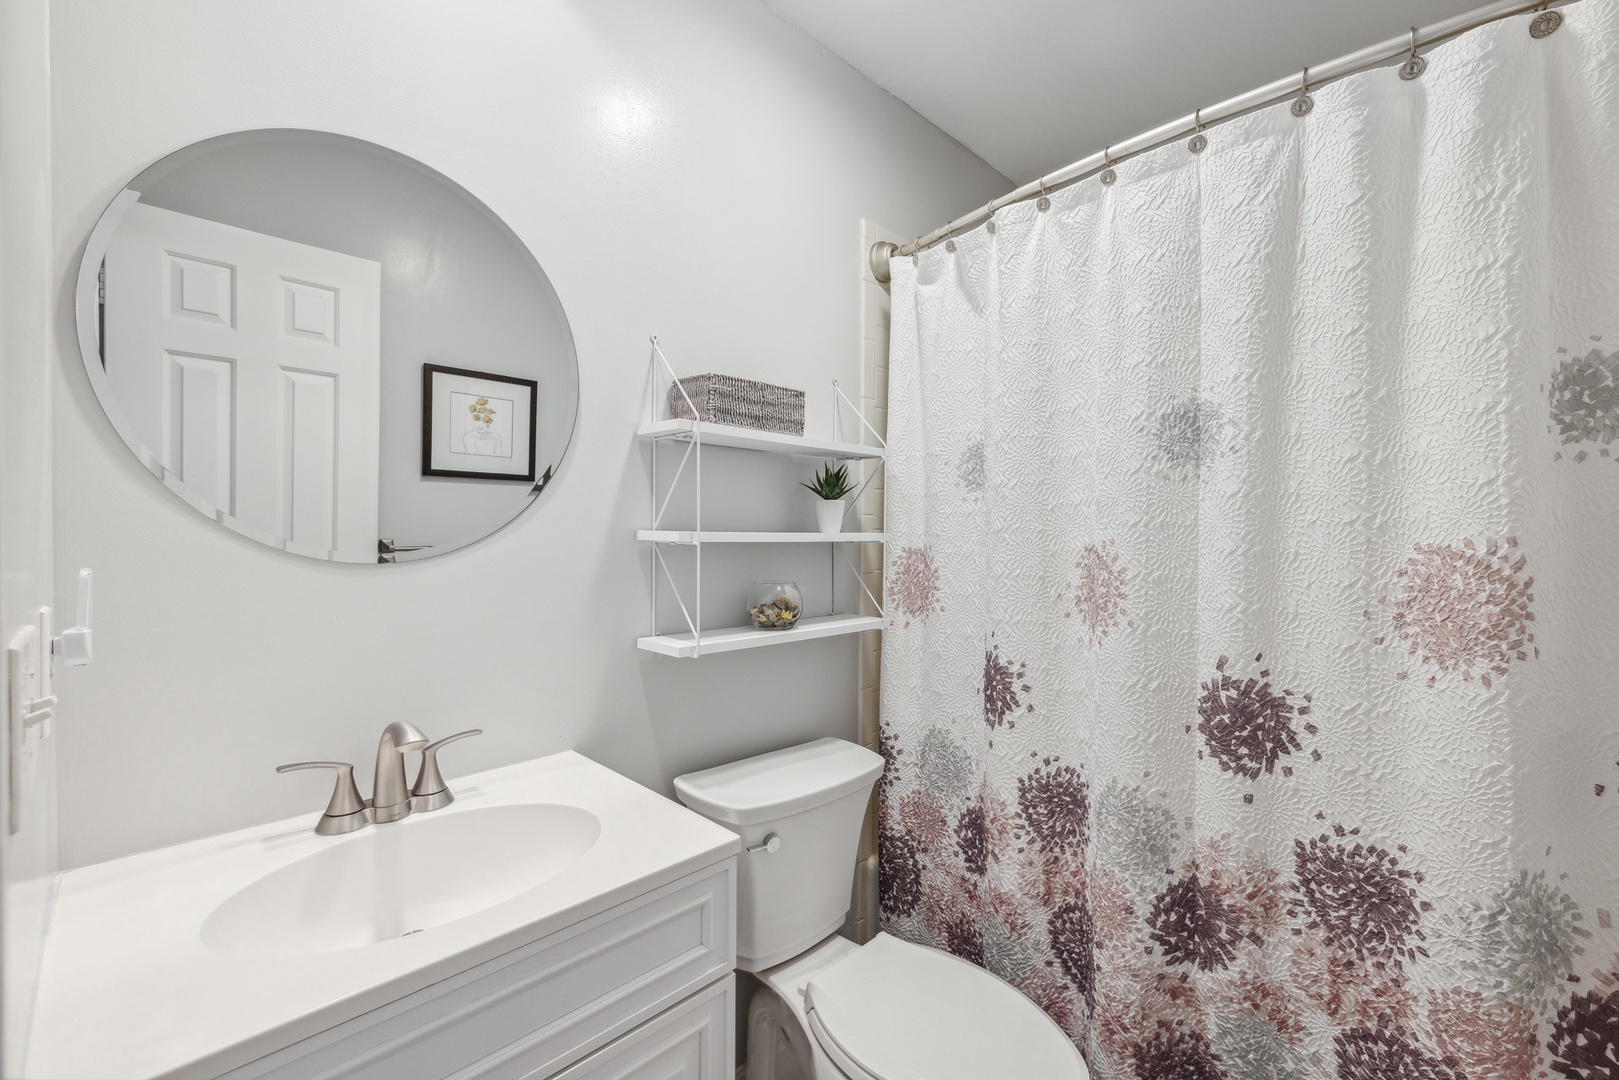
906, 1012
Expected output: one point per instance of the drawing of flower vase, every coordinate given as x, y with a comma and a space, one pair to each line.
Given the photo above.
481, 440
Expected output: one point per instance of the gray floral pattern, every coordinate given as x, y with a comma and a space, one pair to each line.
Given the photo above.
1526, 941
1584, 395
972, 466
1186, 435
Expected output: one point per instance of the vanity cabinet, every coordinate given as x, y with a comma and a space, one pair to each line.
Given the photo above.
643, 991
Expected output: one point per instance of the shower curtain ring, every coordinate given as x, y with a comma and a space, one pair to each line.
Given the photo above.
1042, 203
1414, 65
1108, 176
1199, 142
1546, 23
1304, 102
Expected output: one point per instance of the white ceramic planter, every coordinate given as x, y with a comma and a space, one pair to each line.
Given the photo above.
829, 515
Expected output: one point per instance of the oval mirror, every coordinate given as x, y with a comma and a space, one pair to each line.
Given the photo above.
327, 346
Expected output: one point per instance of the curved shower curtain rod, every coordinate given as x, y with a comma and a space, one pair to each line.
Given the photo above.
1269, 94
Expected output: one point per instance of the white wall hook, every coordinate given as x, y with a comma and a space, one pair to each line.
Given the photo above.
29, 705
38, 711
72, 646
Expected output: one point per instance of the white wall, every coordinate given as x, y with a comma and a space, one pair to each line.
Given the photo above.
28, 856
695, 169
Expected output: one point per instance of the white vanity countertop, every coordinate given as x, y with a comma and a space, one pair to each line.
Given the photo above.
129, 989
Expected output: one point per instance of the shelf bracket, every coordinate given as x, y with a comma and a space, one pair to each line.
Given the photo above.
837, 417
675, 589
852, 500
695, 445
843, 550
657, 518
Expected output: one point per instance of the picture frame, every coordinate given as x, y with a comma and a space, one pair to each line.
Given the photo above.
478, 425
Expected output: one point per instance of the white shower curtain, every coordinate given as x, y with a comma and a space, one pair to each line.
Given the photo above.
1251, 680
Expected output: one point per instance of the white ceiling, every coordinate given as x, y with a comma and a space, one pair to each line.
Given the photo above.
1031, 85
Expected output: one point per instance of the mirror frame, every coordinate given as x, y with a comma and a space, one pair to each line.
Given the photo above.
86, 304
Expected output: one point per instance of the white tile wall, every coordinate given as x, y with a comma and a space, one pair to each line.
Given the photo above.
874, 320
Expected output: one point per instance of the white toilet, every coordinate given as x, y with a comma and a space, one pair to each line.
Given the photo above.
830, 1009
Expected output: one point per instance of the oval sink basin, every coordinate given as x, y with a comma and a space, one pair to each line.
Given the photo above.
391, 881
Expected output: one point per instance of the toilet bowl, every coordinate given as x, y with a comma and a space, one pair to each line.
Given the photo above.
828, 1009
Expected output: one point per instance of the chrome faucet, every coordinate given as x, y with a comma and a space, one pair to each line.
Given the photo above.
390, 795
390, 799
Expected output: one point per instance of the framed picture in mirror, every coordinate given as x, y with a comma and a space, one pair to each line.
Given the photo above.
478, 425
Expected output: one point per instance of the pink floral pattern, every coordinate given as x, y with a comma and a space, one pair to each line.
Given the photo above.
1490, 1040
913, 584
1465, 608
1102, 590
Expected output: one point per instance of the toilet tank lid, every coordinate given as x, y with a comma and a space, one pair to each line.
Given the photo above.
780, 783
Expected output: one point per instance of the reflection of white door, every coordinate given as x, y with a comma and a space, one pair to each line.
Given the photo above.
249, 366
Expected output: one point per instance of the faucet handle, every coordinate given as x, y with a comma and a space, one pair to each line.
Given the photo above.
345, 811
429, 792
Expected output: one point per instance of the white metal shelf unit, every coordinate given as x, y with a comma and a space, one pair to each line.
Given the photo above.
694, 434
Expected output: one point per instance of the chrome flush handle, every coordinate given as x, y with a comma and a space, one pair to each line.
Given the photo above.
769, 845
345, 811
429, 792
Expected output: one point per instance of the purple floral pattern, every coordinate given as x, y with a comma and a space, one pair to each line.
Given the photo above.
1585, 1035
1192, 925
1358, 896
1389, 1055
1005, 689
1054, 802
1247, 725
1176, 1055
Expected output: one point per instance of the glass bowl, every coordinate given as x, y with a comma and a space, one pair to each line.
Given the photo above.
774, 605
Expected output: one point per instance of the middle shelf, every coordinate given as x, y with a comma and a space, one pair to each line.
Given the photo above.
732, 638
678, 536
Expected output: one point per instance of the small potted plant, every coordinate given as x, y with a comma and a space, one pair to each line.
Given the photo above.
830, 486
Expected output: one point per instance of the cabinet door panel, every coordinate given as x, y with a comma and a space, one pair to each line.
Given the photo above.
692, 1041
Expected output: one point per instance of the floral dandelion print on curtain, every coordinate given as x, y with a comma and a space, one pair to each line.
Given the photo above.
1251, 675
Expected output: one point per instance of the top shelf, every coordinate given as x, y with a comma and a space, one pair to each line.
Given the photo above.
770, 442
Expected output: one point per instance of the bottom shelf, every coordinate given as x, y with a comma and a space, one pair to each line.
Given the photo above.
733, 638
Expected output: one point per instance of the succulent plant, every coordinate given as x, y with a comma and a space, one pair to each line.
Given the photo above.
831, 484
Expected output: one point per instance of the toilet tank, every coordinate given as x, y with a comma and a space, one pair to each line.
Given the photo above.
814, 798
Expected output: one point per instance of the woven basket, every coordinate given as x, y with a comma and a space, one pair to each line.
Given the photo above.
725, 399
